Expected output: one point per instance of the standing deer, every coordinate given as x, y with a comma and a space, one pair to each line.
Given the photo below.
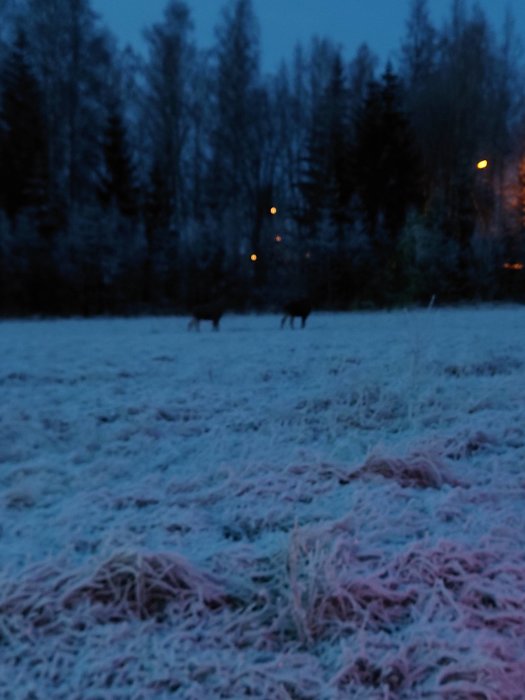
207, 312
298, 307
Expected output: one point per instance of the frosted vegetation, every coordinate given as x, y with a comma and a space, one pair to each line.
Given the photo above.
335, 512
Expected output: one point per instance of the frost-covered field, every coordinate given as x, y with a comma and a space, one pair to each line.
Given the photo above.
323, 514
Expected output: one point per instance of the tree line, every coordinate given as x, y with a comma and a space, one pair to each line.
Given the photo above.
133, 183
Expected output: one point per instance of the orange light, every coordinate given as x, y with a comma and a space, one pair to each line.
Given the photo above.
482, 164
273, 211
253, 257
278, 238
513, 266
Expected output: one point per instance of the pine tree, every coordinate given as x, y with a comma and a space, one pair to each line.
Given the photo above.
236, 181
23, 149
117, 185
419, 51
340, 174
157, 208
72, 57
167, 105
237, 69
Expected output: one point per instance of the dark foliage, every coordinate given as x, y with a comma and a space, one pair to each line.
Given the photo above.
129, 185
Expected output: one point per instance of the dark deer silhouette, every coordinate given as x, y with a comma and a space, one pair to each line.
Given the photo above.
207, 312
296, 308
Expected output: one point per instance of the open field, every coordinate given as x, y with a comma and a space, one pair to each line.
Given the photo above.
328, 513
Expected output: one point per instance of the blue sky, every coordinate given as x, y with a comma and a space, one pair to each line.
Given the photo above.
283, 23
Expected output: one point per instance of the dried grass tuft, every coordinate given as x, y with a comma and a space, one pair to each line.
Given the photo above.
142, 585
418, 470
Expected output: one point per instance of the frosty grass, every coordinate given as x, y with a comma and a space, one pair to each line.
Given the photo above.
335, 512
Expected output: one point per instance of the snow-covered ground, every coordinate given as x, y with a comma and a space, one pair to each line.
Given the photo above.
335, 512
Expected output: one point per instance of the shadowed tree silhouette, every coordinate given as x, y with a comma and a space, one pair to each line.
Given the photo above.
386, 159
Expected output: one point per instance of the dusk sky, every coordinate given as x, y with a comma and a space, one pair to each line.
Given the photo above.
283, 23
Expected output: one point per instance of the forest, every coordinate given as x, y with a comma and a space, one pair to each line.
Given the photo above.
146, 183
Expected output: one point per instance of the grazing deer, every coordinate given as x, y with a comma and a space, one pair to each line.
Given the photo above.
298, 307
207, 312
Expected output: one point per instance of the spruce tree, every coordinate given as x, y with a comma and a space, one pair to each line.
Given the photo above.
385, 157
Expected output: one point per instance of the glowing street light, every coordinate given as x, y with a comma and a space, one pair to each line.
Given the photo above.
273, 211
278, 238
482, 164
253, 257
